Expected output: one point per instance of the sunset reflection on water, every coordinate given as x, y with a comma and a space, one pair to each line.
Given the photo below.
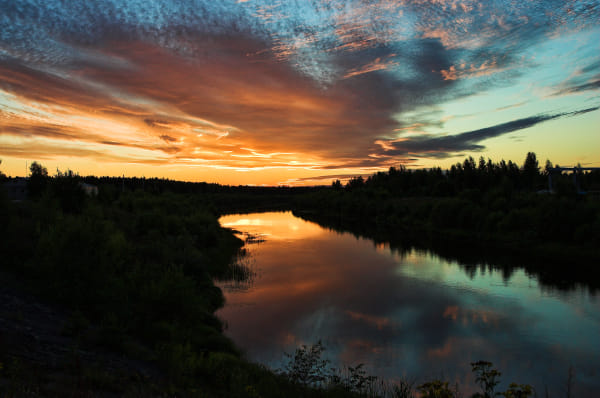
409, 315
274, 225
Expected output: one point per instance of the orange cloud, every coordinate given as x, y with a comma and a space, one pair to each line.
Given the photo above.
230, 110
462, 71
298, 83
377, 64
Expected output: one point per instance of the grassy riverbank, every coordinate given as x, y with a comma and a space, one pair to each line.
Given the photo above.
113, 296
133, 273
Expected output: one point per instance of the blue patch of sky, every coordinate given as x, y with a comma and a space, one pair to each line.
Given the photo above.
36, 31
543, 69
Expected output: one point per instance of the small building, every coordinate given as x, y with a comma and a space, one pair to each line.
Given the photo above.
16, 188
89, 189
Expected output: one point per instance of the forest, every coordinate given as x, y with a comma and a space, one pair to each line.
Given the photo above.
499, 212
133, 268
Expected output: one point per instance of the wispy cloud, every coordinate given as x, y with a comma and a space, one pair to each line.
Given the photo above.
450, 145
463, 71
323, 84
376, 65
591, 85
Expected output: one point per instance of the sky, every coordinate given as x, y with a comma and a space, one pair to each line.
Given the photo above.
296, 92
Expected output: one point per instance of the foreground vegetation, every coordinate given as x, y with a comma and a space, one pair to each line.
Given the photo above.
307, 367
138, 266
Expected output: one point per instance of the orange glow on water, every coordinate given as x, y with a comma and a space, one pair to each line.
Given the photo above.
273, 226
400, 315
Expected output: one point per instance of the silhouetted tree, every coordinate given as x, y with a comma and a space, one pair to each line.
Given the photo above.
354, 183
66, 187
487, 377
482, 165
38, 180
548, 167
2, 175
531, 170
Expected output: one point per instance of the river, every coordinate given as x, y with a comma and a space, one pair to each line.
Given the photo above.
410, 315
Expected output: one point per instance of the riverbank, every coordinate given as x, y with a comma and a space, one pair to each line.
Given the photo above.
558, 238
130, 278
114, 296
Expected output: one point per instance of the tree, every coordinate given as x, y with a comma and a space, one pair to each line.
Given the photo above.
38, 179
37, 169
306, 365
548, 168
436, 389
2, 175
518, 391
482, 165
531, 170
67, 188
487, 377
355, 183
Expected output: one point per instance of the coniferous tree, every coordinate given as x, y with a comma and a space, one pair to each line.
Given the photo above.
531, 170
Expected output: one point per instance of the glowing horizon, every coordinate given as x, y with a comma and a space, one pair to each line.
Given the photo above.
276, 93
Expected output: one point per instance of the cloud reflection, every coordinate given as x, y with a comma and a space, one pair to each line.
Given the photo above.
413, 315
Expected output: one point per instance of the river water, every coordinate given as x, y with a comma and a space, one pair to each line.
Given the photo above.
412, 315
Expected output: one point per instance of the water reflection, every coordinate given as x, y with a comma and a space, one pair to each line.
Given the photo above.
274, 226
405, 315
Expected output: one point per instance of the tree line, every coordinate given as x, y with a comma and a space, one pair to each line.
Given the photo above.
500, 211
483, 176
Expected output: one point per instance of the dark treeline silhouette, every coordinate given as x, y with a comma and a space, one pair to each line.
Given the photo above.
222, 198
473, 178
471, 255
501, 213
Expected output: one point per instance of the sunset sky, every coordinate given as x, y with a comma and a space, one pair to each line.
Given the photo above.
295, 92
